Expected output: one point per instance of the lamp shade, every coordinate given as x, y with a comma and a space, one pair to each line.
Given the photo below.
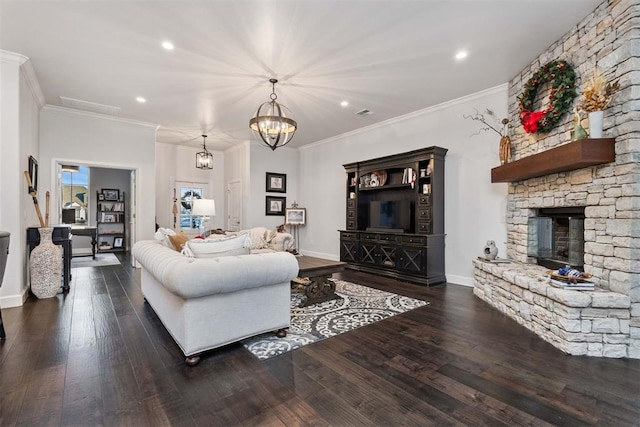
204, 207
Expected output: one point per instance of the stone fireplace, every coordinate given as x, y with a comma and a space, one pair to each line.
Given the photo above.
604, 322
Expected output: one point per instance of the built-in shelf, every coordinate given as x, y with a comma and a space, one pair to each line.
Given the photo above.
574, 155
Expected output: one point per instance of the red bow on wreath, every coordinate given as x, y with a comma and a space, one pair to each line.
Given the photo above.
530, 120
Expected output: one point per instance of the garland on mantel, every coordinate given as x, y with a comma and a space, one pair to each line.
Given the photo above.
563, 90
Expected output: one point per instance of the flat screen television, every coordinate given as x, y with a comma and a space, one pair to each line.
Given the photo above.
390, 215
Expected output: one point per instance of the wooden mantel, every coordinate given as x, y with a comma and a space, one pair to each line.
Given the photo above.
574, 155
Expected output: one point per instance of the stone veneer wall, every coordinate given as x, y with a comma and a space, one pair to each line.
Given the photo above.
607, 40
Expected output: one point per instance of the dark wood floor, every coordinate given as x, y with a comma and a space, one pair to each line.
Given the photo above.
99, 356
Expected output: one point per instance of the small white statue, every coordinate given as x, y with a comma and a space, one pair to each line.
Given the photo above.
490, 250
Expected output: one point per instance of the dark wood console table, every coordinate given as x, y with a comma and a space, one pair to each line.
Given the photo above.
61, 236
87, 231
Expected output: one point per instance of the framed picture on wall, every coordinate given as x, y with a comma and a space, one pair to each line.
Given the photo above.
276, 182
295, 216
33, 173
275, 205
111, 194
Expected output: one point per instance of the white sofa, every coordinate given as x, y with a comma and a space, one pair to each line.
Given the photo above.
265, 239
206, 303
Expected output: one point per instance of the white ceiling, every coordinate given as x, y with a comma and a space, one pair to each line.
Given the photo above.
392, 57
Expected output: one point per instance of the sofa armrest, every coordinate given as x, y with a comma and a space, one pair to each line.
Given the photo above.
282, 242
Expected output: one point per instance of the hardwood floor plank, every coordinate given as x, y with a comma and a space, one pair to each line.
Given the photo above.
98, 355
517, 400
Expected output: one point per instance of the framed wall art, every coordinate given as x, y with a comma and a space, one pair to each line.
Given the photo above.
276, 182
111, 194
275, 205
295, 216
33, 172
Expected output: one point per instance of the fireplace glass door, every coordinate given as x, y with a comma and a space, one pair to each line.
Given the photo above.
556, 241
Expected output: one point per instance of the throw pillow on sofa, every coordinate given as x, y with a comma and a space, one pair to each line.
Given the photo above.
178, 241
213, 248
163, 234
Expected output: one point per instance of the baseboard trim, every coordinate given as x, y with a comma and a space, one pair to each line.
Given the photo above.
460, 280
321, 255
14, 300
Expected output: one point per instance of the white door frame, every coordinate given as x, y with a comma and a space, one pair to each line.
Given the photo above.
230, 207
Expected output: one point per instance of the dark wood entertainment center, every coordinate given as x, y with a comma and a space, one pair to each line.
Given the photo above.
407, 247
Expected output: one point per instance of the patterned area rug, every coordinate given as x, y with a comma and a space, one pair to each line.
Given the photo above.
359, 306
100, 261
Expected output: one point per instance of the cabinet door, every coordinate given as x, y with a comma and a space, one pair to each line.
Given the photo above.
348, 250
412, 259
387, 256
369, 253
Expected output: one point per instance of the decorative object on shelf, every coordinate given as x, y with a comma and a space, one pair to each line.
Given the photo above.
378, 178
111, 194
597, 96
276, 182
490, 250
45, 266
569, 274
563, 80
578, 130
505, 140
275, 205
204, 158
204, 208
271, 123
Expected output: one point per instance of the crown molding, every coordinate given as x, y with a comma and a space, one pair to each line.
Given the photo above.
413, 114
12, 57
27, 71
100, 116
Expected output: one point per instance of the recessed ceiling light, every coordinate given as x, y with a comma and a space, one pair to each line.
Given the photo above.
141, 100
167, 45
461, 55
344, 103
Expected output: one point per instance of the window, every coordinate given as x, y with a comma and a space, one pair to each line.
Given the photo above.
75, 194
187, 193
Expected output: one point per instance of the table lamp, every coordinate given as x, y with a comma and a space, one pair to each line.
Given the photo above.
204, 208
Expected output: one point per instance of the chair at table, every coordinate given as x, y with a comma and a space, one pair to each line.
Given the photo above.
4, 251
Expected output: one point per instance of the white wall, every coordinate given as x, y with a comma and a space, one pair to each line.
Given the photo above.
20, 100
262, 160
474, 207
237, 170
76, 137
176, 163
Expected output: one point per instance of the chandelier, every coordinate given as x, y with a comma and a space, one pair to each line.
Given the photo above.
270, 122
204, 159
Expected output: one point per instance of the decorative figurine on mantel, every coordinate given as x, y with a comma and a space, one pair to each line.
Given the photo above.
578, 131
490, 250
505, 140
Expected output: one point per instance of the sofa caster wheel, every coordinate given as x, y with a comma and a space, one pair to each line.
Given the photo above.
281, 333
192, 360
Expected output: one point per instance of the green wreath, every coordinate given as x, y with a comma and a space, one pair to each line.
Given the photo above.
188, 197
563, 90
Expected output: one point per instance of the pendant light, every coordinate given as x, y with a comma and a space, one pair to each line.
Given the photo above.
204, 159
270, 122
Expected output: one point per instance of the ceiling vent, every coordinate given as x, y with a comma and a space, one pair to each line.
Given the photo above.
89, 106
364, 112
